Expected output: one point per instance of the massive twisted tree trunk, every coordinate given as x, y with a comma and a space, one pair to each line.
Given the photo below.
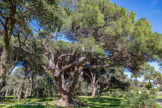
61, 66
58, 69
66, 93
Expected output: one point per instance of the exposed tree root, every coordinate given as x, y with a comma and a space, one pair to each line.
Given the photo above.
64, 103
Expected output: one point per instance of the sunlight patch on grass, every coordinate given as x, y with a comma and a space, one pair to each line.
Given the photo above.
104, 102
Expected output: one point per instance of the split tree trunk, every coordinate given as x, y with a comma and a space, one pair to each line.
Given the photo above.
94, 82
66, 95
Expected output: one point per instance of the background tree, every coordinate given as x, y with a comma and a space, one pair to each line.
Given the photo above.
92, 76
114, 79
15, 20
150, 74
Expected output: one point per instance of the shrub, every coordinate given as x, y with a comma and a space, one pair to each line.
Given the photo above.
152, 91
116, 94
143, 100
104, 93
83, 89
148, 86
158, 88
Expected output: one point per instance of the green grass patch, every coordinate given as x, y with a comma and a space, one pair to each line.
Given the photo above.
8, 102
104, 102
159, 97
158, 106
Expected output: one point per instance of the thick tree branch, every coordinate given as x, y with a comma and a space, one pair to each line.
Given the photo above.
105, 25
22, 48
79, 62
12, 67
76, 76
89, 76
63, 55
100, 58
99, 66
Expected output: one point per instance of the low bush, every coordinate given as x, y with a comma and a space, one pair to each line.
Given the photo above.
143, 100
116, 94
152, 91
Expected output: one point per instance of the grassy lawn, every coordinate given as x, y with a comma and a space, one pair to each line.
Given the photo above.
159, 97
28, 103
104, 102
158, 106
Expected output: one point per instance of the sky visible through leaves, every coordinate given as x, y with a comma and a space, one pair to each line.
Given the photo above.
149, 9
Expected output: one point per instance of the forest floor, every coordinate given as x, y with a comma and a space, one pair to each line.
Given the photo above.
104, 102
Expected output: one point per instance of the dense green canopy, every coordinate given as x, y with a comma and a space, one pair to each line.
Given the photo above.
102, 36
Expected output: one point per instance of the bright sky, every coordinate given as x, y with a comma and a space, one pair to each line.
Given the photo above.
149, 9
